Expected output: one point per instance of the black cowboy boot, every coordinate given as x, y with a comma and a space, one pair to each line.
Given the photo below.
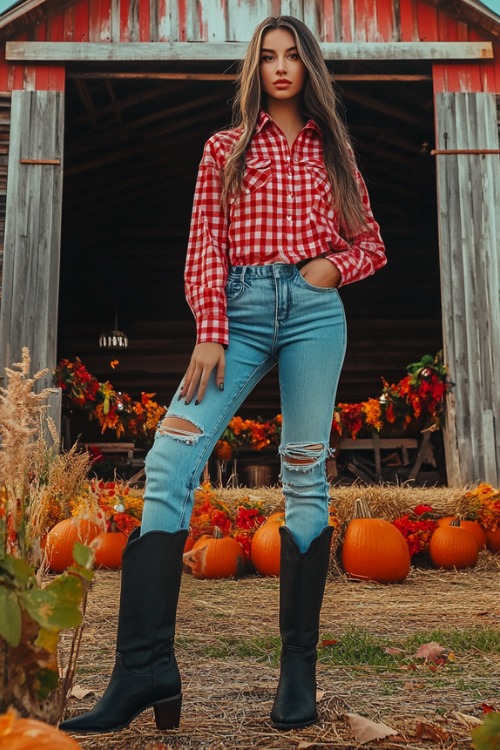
302, 584
145, 672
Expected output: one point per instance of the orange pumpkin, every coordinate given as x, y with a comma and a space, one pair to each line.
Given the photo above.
474, 527
374, 549
62, 538
108, 547
30, 734
266, 546
493, 540
453, 547
215, 557
223, 450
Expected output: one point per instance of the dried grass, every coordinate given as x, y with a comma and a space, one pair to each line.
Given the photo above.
227, 700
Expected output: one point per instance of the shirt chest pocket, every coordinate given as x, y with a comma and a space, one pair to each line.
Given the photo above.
257, 174
319, 178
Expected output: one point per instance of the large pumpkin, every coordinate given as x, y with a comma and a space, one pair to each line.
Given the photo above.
223, 450
30, 734
62, 538
374, 549
474, 527
108, 547
266, 546
215, 557
493, 540
453, 547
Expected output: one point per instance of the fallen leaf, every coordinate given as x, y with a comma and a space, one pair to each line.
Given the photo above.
486, 708
425, 731
320, 694
430, 651
392, 651
326, 643
79, 692
365, 730
467, 719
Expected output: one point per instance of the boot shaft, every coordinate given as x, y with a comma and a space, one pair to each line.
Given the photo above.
150, 584
302, 585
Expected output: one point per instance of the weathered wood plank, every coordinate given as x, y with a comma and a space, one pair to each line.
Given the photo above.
469, 195
28, 314
202, 51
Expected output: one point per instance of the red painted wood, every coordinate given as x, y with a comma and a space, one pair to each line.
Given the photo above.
69, 23
181, 9
439, 82
386, 21
329, 31
347, 9
408, 15
124, 22
144, 21
4, 71
427, 23
360, 21
81, 32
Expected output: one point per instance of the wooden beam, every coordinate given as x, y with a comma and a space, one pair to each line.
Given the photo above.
204, 51
229, 77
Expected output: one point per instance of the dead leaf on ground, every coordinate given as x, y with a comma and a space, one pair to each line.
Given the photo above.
467, 719
79, 692
365, 730
431, 651
426, 731
393, 651
320, 694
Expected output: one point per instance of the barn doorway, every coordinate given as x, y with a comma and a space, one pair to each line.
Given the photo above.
133, 141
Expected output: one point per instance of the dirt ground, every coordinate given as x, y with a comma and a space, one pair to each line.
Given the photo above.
227, 699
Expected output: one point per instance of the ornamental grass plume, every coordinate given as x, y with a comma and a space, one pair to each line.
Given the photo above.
35, 485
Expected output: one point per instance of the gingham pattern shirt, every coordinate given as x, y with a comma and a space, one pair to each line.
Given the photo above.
284, 214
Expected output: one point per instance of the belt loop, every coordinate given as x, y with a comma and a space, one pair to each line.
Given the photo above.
242, 276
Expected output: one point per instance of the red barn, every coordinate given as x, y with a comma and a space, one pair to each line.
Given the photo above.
104, 108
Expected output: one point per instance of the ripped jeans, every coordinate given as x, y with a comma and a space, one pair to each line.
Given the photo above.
275, 318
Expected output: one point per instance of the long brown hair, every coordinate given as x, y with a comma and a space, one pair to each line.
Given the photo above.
319, 102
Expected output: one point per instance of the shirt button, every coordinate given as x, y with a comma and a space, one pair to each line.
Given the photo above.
295, 158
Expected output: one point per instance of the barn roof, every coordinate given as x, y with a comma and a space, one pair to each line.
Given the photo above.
483, 14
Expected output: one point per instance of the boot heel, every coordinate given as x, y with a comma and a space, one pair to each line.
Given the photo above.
168, 713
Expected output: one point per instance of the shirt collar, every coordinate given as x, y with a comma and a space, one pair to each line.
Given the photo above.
265, 120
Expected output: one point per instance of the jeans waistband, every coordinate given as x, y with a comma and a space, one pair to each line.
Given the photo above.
270, 270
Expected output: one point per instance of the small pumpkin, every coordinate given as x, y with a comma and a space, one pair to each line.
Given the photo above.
474, 527
223, 450
62, 538
108, 547
31, 734
266, 546
374, 549
493, 539
217, 556
453, 547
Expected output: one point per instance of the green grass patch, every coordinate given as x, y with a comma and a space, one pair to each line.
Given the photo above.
354, 647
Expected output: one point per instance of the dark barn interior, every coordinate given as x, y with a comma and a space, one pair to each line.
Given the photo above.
134, 137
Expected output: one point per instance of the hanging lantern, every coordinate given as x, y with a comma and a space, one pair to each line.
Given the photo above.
114, 339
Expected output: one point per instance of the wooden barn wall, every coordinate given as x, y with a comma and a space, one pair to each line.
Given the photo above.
469, 197
5, 99
32, 231
213, 21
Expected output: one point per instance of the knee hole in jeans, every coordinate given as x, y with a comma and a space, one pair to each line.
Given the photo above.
180, 429
296, 455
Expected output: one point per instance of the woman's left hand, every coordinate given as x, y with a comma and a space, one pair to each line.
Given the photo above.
321, 272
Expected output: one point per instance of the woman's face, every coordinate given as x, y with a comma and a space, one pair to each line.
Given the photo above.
282, 72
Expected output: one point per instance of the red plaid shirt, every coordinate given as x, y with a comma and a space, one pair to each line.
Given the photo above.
284, 214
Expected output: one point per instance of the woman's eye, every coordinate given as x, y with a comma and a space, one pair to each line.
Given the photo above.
293, 56
266, 58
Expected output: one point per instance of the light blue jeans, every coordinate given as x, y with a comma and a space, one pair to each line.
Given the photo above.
275, 317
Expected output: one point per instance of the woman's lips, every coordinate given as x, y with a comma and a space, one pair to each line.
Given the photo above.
282, 83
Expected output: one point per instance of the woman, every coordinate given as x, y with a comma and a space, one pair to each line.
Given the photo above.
281, 218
